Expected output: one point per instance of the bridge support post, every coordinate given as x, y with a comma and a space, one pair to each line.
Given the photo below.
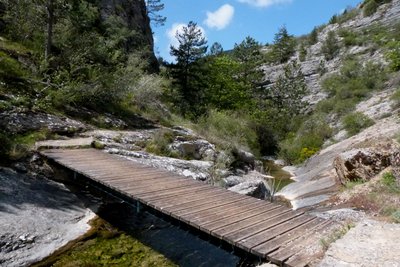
138, 208
75, 175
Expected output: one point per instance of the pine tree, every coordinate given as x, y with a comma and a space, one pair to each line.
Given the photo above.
192, 47
330, 48
153, 7
216, 49
284, 45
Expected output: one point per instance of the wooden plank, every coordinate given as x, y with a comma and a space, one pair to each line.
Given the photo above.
233, 212
194, 199
231, 219
257, 221
152, 183
157, 189
265, 235
212, 208
190, 215
264, 249
298, 245
151, 179
148, 198
238, 209
246, 232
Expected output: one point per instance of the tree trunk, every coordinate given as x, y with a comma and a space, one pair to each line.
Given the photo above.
49, 34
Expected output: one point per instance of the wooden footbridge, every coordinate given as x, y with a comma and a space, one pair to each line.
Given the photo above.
267, 230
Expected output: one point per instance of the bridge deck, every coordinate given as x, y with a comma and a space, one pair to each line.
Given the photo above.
264, 229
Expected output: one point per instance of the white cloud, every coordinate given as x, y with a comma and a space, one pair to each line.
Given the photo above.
220, 18
264, 3
178, 27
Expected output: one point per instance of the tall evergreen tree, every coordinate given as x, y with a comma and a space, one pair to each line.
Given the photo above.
284, 45
192, 47
216, 49
248, 54
153, 7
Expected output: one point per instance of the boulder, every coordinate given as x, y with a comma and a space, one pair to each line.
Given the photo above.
17, 122
363, 164
253, 188
196, 149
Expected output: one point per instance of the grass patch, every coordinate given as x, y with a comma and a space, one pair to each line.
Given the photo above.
351, 184
228, 130
356, 122
336, 235
382, 198
160, 142
396, 99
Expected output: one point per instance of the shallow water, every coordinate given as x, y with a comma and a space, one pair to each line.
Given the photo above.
282, 177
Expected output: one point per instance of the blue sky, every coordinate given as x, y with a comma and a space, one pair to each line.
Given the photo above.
230, 21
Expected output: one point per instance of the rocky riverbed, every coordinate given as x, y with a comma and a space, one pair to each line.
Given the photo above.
37, 216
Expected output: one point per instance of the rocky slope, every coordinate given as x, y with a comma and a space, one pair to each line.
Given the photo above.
319, 178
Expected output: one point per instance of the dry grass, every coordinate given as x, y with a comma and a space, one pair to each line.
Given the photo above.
379, 197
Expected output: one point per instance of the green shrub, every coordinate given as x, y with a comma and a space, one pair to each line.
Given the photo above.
313, 37
229, 130
350, 38
396, 98
159, 145
355, 122
393, 55
308, 140
352, 84
330, 47
370, 8
10, 68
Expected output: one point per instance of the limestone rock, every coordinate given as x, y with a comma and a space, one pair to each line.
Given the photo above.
254, 188
197, 149
17, 122
363, 164
370, 243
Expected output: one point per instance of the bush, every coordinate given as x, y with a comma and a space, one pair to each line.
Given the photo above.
159, 145
355, 122
350, 38
330, 48
229, 130
396, 98
393, 55
370, 8
308, 140
353, 83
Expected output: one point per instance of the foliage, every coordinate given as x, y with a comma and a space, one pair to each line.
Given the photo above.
159, 145
192, 47
313, 36
396, 98
302, 52
224, 91
153, 7
390, 182
330, 47
393, 55
353, 83
216, 49
355, 122
248, 54
229, 130
288, 91
370, 8
308, 140
351, 38
284, 45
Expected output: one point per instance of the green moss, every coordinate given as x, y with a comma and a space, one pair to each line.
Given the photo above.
10, 68
113, 250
